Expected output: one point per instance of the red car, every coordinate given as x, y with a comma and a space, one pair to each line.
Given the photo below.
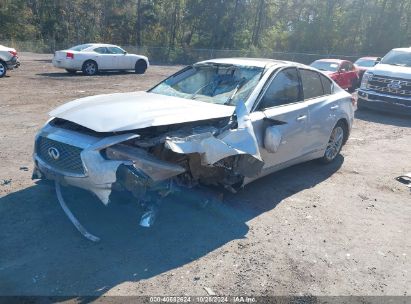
364, 63
343, 72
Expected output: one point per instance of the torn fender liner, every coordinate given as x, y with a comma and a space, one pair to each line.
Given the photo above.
72, 218
231, 142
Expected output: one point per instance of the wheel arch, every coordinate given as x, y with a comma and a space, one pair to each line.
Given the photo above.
87, 60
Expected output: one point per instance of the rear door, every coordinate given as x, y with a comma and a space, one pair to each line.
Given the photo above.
322, 108
282, 107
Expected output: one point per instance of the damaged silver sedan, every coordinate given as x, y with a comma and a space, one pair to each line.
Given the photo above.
222, 122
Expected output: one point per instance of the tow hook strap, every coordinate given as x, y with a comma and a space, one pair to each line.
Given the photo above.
72, 218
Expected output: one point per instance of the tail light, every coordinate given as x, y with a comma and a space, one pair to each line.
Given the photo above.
69, 55
14, 53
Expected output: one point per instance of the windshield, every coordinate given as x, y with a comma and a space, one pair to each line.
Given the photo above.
80, 47
367, 63
325, 66
213, 83
399, 58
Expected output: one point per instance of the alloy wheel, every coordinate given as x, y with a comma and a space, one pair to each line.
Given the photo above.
91, 68
335, 143
2, 69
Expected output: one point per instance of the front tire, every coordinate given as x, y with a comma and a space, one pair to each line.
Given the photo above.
141, 66
335, 143
3, 69
90, 68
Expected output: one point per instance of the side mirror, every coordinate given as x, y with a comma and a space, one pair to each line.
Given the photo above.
125, 53
377, 61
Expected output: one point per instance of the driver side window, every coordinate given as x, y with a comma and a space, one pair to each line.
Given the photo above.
115, 50
284, 89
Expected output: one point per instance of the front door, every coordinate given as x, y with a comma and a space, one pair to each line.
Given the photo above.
281, 107
106, 60
123, 61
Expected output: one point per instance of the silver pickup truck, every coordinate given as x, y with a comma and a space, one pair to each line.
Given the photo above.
387, 86
8, 60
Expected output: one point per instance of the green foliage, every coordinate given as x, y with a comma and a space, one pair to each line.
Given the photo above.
249, 26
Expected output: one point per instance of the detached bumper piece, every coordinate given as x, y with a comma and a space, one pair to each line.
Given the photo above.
72, 218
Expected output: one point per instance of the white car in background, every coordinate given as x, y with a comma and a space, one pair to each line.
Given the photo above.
8, 60
94, 57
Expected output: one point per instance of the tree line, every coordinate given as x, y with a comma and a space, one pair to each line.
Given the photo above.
332, 26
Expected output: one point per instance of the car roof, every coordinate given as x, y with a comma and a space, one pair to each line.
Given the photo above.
332, 60
403, 49
103, 44
368, 58
257, 62
98, 45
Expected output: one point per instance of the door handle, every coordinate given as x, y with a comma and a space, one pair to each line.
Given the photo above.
301, 118
333, 108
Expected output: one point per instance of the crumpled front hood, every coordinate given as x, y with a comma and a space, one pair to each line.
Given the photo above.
391, 71
136, 110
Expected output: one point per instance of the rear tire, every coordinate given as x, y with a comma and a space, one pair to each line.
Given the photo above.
3, 69
141, 66
90, 68
337, 139
71, 71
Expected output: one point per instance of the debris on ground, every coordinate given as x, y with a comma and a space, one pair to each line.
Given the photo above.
405, 179
6, 182
210, 291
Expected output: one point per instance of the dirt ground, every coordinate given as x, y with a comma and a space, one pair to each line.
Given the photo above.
341, 229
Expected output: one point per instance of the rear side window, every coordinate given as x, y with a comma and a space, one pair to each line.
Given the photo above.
284, 89
326, 84
101, 50
312, 86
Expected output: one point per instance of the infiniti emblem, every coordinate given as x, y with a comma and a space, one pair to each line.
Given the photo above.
53, 153
395, 85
